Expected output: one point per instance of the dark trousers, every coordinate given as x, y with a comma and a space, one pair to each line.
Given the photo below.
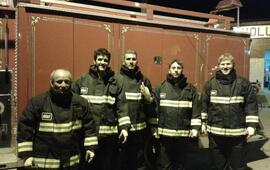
228, 153
131, 154
172, 153
105, 156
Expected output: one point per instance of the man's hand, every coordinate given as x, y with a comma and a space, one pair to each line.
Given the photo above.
193, 133
123, 135
204, 129
155, 133
29, 162
146, 93
250, 132
89, 155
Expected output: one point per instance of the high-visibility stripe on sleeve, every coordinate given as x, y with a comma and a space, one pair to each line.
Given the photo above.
25, 146
59, 127
90, 141
195, 122
124, 120
252, 119
227, 100
173, 103
138, 126
133, 96
73, 161
153, 121
108, 130
99, 99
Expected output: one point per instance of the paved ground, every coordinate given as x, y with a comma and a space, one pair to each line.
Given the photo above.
259, 150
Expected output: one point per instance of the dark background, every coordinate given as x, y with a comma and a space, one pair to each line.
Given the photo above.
252, 10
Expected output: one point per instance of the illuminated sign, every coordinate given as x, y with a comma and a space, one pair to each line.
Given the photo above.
258, 31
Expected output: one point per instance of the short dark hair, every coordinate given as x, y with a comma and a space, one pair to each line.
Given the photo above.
176, 61
102, 52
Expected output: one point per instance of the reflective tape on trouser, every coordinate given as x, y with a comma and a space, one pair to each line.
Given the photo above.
55, 163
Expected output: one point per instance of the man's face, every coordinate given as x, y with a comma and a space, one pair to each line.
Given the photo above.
225, 66
130, 61
175, 70
61, 82
102, 62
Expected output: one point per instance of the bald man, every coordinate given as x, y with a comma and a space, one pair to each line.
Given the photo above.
56, 127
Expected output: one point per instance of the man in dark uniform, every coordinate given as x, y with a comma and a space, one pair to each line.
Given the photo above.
178, 118
105, 97
54, 126
137, 89
229, 115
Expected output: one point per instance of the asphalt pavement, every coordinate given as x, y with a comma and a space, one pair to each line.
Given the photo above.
258, 147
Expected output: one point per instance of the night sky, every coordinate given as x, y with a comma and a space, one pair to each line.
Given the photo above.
252, 10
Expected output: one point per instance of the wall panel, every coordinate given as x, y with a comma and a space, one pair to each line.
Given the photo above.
90, 35
51, 46
148, 42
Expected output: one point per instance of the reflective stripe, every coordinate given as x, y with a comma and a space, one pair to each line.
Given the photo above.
47, 163
124, 120
99, 99
195, 122
252, 119
172, 132
133, 96
172, 103
226, 132
55, 163
204, 115
153, 121
72, 161
108, 129
59, 127
90, 141
138, 126
227, 100
25, 146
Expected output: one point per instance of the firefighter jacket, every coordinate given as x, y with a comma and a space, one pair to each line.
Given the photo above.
177, 107
229, 105
106, 99
54, 128
138, 108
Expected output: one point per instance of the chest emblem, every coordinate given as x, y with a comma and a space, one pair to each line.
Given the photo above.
213, 92
84, 90
46, 116
162, 95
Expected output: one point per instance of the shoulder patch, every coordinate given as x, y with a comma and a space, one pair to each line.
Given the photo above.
84, 90
213, 92
46, 116
162, 95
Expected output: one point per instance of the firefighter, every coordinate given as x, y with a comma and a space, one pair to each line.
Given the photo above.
229, 115
137, 89
178, 118
105, 97
55, 126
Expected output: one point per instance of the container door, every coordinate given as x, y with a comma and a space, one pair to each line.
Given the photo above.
148, 43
